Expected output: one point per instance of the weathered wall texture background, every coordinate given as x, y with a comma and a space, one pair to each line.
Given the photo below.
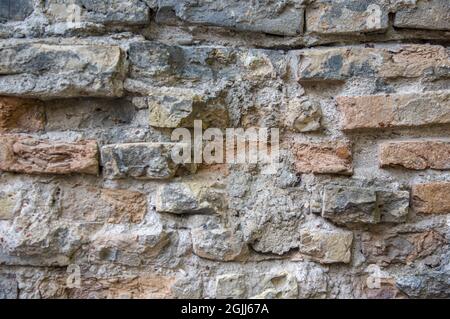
91, 90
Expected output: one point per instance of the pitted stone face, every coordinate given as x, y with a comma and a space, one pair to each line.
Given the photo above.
15, 10
101, 101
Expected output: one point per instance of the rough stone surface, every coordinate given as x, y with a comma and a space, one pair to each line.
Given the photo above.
427, 14
189, 198
282, 18
394, 205
326, 158
217, 243
8, 287
418, 155
338, 64
403, 248
138, 160
49, 71
230, 286
21, 115
431, 198
384, 111
350, 205
338, 79
18, 10
347, 16
93, 204
327, 246
125, 246
110, 12
24, 154
178, 108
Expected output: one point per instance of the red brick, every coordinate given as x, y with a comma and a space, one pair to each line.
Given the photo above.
431, 198
21, 115
418, 155
24, 154
400, 110
324, 158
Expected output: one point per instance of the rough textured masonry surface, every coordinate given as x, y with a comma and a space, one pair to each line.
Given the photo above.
93, 206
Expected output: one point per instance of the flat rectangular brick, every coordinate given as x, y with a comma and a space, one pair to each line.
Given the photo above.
138, 160
431, 198
324, 158
92, 204
427, 14
108, 12
21, 115
327, 246
397, 110
25, 154
347, 16
417, 155
52, 71
404, 61
272, 17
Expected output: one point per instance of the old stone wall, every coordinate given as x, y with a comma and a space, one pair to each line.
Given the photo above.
93, 206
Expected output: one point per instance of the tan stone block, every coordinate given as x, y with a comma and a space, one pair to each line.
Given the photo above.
324, 158
431, 198
399, 110
417, 155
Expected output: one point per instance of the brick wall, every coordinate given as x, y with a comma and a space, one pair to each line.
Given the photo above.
90, 92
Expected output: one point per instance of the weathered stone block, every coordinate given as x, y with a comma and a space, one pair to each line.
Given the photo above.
302, 115
431, 198
394, 205
326, 246
24, 154
8, 287
15, 10
186, 198
21, 115
109, 12
350, 205
144, 286
282, 285
403, 248
91, 204
7, 204
174, 107
231, 286
51, 71
405, 61
153, 60
417, 155
347, 16
157, 64
427, 14
88, 113
138, 160
325, 158
35, 236
217, 243
125, 246
398, 110
281, 18
426, 284
411, 61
